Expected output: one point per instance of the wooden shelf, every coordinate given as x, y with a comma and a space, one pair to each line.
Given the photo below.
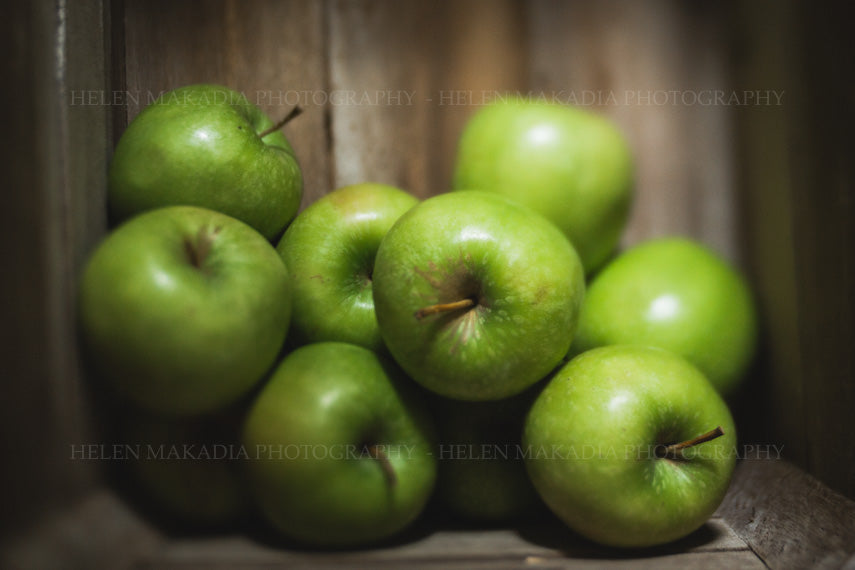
774, 516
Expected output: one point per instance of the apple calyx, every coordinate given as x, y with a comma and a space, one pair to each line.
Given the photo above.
376, 452
444, 308
674, 450
198, 250
284, 121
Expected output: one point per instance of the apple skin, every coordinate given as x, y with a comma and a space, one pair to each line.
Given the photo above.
570, 165
199, 145
676, 294
523, 274
178, 338
592, 434
329, 251
332, 399
183, 482
482, 476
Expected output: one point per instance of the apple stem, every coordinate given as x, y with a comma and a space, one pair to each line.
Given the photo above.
674, 448
291, 115
377, 453
444, 308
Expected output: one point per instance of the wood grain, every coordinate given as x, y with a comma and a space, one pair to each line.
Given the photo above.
380, 76
57, 147
644, 65
483, 55
547, 545
789, 518
797, 180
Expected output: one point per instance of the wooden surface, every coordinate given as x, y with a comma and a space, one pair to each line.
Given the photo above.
790, 519
54, 156
774, 516
798, 182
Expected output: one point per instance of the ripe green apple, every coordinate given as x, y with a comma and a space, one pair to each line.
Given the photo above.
200, 145
342, 453
676, 294
184, 309
482, 475
477, 298
570, 165
188, 467
329, 251
614, 449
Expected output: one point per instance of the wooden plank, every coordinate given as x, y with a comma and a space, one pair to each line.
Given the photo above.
482, 54
100, 531
824, 200
381, 76
789, 518
54, 212
766, 185
797, 178
273, 52
650, 67
701, 560
539, 545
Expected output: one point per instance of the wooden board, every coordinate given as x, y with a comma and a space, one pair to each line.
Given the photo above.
774, 515
790, 519
797, 178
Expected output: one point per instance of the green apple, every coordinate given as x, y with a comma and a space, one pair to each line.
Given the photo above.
477, 298
329, 251
184, 309
618, 446
188, 467
342, 454
202, 145
676, 294
482, 475
570, 165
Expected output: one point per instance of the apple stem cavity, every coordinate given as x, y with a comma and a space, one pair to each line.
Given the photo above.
291, 115
198, 250
444, 308
377, 453
672, 451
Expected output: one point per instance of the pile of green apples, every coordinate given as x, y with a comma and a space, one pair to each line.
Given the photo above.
376, 351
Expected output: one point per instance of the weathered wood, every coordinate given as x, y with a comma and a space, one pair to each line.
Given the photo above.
98, 532
824, 198
54, 151
537, 545
273, 52
650, 67
789, 518
482, 54
797, 178
381, 76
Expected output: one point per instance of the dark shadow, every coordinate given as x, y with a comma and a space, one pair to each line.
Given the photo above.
554, 535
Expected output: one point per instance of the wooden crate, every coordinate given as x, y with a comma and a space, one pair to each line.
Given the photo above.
764, 178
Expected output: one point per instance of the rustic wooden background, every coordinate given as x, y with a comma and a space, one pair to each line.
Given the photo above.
768, 186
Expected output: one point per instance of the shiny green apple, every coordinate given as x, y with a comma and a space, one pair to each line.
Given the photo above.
200, 145
679, 295
477, 298
183, 309
341, 450
329, 251
624, 446
570, 165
